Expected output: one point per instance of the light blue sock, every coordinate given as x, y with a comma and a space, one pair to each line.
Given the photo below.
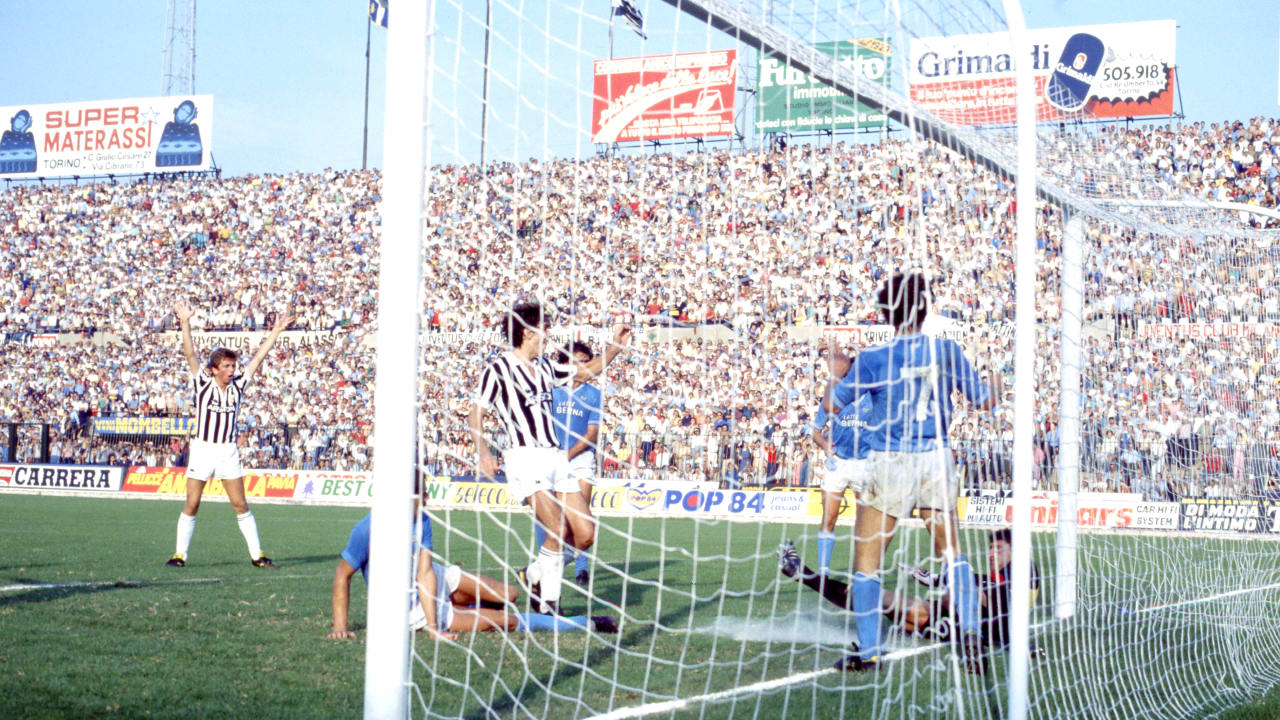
537, 621
580, 565
960, 579
866, 611
539, 536
569, 554
826, 545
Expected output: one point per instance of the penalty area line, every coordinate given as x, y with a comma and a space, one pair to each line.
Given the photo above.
668, 706
1210, 598
105, 583
673, 705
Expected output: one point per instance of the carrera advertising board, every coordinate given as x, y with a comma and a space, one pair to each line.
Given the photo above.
1103, 71
101, 137
685, 95
61, 478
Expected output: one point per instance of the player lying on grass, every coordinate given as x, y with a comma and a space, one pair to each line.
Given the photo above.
448, 601
934, 616
910, 381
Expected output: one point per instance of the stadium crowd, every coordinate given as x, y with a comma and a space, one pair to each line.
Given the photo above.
749, 252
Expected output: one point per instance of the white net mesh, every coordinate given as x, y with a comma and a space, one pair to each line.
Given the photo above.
736, 258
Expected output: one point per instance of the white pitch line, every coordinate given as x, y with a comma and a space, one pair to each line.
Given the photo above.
127, 584
105, 583
1197, 601
673, 705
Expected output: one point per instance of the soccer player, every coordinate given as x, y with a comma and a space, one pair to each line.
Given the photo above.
516, 387
846, 449
218, 391
576, 414
916, 615
448, 601
910, 381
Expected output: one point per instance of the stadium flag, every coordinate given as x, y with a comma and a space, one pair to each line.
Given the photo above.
628, 12
378, 12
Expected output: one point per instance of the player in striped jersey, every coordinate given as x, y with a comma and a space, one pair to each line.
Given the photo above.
218, 392
516, 387
910, 380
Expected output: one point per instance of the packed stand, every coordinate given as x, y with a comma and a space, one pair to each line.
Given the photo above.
768, 245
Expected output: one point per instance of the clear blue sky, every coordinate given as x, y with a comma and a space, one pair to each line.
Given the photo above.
288, 76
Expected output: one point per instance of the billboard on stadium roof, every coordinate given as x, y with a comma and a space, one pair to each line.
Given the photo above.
1090, 71
791, 100
661, 97
100, 137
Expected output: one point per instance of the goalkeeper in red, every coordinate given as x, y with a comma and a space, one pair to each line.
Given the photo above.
910, 381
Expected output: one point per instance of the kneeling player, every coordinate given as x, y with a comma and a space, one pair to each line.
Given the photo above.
448, 601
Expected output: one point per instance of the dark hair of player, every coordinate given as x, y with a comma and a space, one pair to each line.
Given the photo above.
903, 299
1004, 535
222, 354
577, 346
524, 316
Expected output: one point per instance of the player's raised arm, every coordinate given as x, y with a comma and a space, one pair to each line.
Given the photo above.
184, 313
596, 365
282, 322
341, 599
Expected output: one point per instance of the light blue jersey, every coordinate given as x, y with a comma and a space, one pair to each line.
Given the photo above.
910, 380
357, 556
849, 439
573, 411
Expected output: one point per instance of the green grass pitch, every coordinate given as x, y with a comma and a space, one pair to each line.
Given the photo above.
105, 630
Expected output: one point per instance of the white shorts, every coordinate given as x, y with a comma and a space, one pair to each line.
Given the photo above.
447, 581
842, 474
214, 460
532, 469
581, 467
897, 482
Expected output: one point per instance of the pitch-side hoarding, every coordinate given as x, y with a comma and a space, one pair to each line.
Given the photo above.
791, 100
1104, 71
664, 96
101, 137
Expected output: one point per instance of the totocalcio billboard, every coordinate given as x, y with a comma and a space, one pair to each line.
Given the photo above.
791, 100
101, 137
1091, 71
661, 97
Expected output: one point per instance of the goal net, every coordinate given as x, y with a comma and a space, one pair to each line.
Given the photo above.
734, 182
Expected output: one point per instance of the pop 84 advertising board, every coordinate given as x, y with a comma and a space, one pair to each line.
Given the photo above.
101, 137
1103, 71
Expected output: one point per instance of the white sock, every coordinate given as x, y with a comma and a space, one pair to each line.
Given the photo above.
550, 561
186, 527
249, 529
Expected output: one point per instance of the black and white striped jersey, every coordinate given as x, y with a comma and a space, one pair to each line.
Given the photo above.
217, 408
521, 398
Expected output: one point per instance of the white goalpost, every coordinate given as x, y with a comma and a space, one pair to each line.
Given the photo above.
1142, 577
405, 154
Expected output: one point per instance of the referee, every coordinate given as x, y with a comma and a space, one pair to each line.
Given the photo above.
516, 388
218, 392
